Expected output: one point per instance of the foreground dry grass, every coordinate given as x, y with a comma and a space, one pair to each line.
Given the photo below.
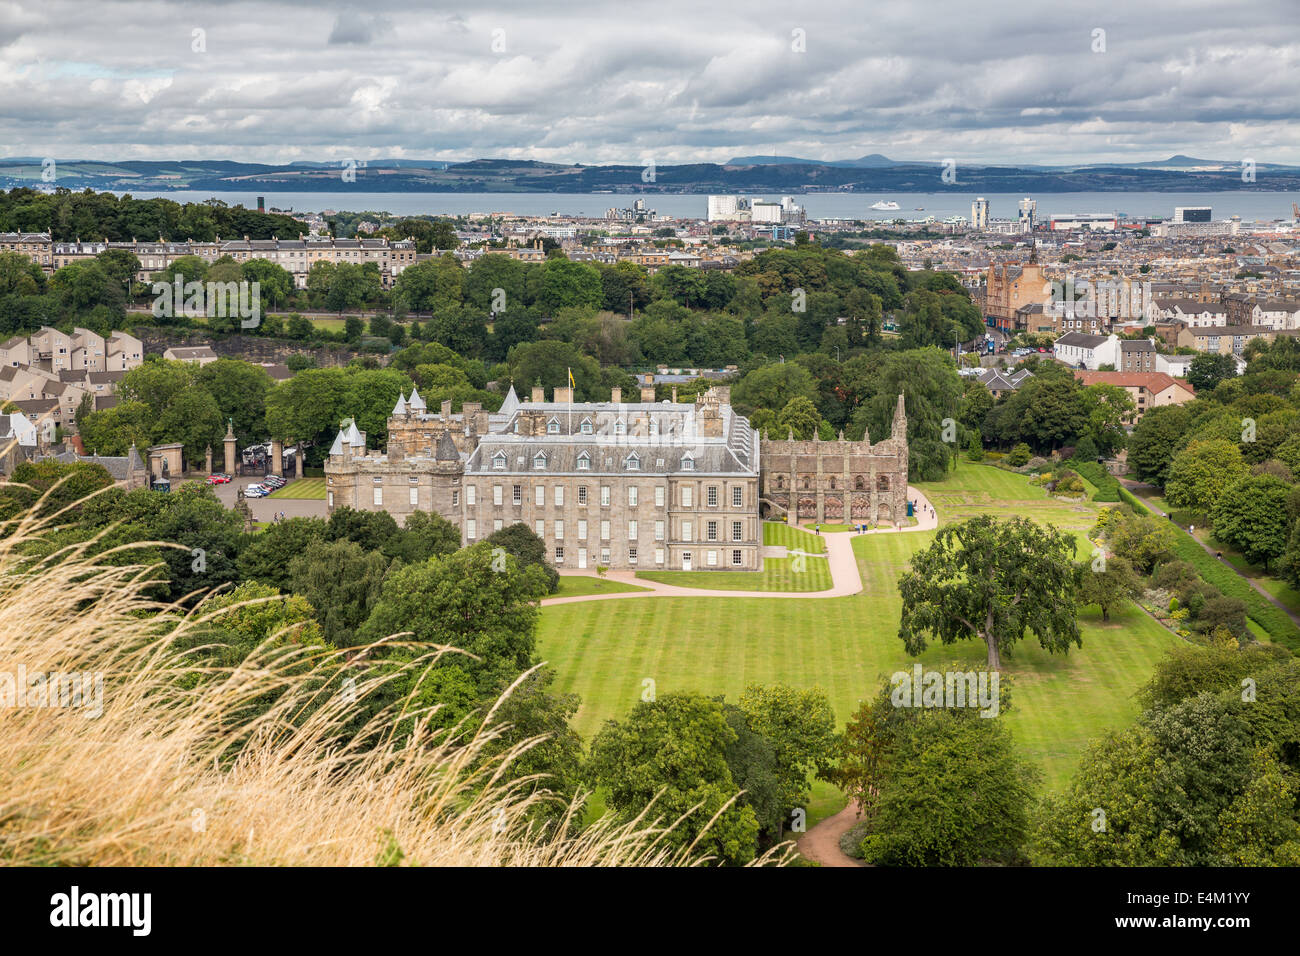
170, 774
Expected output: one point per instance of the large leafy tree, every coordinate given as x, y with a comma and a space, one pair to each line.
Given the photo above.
1108, 586
932, 391
342, 582
1199, 475
1207, 371
1155, 441
992, 580
800, 727
672, 751
956, 794
468, 600
268, 554
1252, 517
239, 389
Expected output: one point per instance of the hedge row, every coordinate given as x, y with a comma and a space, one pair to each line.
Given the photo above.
1106, 483
1279, 626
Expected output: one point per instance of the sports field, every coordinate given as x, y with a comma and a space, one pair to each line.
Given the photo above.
313, 488
603, 651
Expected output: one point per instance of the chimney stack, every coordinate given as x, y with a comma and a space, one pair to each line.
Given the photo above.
563, 394
616, 395
446, 409
674, 394
647, 390
539, 394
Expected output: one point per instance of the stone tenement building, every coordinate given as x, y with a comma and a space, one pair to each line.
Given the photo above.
657, 485
1011, 287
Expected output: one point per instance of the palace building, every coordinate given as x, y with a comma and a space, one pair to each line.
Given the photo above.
635, 485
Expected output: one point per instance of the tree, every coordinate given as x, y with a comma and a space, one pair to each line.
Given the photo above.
773, 386
1019, 456
1251, 516
995, 581
932, 392
800, 727
113, 431
1109, 585
425, 535
672, 751
800, 417
60, 484
1200, 474
956, 794
527, 548
267, 556
470, 601
568, 284
239, 389
1197, 781
342, 582
372, 530
1155, 440
1207, 371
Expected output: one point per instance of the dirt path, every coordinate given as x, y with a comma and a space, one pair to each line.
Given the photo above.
845, 579
821, 844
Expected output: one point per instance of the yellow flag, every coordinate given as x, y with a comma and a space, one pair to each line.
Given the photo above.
570, 378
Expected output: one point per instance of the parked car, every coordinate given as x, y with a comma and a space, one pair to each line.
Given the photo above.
1042, 350
275, 481
256, 491
218, 479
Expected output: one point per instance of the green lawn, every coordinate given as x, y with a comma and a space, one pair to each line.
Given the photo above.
575, 584
826, 527
778, 574
604, 650
301, 488
778, 533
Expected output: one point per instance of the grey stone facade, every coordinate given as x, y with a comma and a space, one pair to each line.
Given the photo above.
630, 486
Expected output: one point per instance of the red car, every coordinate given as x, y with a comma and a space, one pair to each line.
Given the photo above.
218, 479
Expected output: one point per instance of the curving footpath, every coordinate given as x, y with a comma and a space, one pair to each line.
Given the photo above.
821, 844
845, 578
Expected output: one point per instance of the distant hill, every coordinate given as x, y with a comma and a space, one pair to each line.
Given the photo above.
870, 174
863, 162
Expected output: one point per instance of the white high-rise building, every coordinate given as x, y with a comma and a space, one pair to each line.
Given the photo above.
722, 208
979, 213
1028, 213
762, 211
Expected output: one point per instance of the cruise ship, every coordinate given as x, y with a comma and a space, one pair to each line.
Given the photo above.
884, 206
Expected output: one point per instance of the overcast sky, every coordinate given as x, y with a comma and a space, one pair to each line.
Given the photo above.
618, 81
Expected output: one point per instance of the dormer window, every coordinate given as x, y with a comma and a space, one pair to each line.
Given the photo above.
688, 463
620, 428
632, 462
584, 462
539, 461
499, 461
553, 427
586, 426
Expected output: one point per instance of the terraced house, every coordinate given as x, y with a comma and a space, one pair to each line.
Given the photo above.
624, 485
